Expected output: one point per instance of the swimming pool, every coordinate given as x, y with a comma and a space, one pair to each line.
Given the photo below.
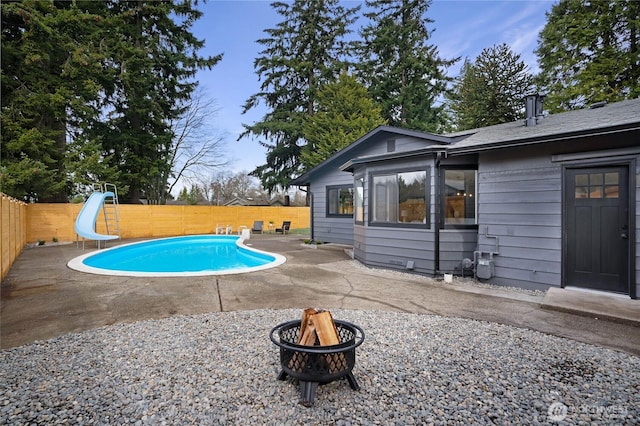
194, 255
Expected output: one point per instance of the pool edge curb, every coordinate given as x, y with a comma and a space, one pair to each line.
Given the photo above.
77, 262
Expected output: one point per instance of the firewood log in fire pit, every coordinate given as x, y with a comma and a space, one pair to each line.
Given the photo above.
318, 329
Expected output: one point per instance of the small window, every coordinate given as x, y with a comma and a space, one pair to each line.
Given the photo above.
359, 201
597, 185
400, 198
460, 197
340, 200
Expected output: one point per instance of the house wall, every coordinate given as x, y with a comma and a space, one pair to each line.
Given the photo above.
338, 230
637, 227
392, 247
455, 245
341, 230
520, 217
520, 213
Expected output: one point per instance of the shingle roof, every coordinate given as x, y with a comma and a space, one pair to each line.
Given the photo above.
380, 132
625, 114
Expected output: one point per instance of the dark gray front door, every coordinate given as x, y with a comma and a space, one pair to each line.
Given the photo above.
597, 228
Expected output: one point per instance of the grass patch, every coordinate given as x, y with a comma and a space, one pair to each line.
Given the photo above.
299, 231
316, 242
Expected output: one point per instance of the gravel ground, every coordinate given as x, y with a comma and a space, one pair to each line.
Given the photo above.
467, 281
221, 368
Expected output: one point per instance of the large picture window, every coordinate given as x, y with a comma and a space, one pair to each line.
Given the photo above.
340, 200
460, 198
400, 198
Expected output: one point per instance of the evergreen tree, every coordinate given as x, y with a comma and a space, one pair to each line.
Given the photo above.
404, 74
93, 84
588, 52
344, 113
50, 80
491, 90
155, 57
306, 50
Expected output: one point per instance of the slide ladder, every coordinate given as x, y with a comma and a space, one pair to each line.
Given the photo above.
110, 208
105, 198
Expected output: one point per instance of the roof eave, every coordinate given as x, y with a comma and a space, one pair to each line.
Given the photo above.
453, 150
305, 178
350, 165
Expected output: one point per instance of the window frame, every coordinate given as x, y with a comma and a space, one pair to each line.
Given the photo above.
328, 190
443, 198
427, 197
358, 203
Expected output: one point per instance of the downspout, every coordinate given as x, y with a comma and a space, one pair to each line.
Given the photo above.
311, 214
438, 212
310, 196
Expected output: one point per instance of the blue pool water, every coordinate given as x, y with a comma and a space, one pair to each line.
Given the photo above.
191, 255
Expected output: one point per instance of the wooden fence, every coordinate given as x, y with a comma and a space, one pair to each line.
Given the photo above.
30, 223
13, 230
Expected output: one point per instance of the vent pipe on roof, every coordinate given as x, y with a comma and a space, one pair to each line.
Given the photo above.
533, 109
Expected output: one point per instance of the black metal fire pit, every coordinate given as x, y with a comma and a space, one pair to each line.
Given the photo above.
314, 365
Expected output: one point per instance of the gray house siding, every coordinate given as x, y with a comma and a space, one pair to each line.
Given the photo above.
338, 230
341, 230
393, 249
637, 226
390, 246
455, 245
403, 144
399, 144
520, 217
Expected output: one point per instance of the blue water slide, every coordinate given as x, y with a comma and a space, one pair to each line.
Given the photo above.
86, 221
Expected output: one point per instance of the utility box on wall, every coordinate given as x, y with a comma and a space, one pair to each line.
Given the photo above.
485, 268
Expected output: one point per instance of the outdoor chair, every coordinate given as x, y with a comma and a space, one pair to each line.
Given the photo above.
285, 227
257, 227
224, 229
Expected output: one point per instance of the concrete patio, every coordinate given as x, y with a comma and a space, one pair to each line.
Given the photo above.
42, 298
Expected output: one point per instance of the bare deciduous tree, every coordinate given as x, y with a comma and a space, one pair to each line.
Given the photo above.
198, 148
225, 186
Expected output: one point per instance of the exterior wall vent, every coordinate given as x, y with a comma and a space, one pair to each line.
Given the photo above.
391, 145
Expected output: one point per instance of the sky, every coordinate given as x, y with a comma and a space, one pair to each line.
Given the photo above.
460, 29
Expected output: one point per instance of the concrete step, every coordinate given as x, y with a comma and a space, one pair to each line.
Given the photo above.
597, 304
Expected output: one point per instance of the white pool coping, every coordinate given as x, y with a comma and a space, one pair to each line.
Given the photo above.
77, 262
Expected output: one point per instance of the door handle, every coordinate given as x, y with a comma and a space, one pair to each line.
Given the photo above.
624, 236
